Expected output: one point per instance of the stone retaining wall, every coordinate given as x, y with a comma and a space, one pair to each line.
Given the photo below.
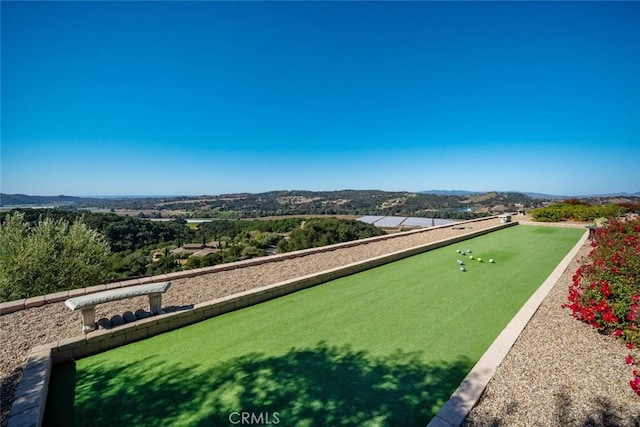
28, 407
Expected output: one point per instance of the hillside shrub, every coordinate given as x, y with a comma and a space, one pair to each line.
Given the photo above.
48, 256
576, 211
123, 233
605, 290
318, 232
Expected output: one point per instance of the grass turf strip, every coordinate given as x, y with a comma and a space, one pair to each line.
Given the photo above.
383, 347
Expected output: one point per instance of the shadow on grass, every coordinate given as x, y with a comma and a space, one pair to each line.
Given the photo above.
322, 385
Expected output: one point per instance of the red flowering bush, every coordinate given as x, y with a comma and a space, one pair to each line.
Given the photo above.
605, 291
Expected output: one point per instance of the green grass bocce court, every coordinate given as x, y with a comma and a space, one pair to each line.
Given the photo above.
386, 346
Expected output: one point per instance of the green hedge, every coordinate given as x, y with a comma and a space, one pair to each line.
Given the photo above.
577, 212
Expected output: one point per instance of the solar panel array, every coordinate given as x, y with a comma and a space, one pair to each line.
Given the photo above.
398, 221
370, 219
418, 222
390, 221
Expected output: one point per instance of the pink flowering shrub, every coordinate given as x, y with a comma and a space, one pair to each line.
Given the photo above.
605, 291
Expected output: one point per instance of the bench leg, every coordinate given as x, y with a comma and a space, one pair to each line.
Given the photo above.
155, 303
88, 319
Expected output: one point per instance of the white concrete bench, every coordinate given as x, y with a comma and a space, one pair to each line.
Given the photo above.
504, 218
87, 303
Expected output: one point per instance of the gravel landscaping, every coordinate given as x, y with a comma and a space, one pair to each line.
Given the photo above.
559, 372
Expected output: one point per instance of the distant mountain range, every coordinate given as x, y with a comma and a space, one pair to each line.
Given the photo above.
25, 200
636, 194
530, 194
450, 192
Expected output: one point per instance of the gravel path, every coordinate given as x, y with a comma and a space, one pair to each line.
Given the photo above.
559, 372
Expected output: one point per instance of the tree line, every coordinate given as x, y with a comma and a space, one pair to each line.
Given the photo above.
578, 210
291, 203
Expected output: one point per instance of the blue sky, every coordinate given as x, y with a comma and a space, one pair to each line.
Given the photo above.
157, 98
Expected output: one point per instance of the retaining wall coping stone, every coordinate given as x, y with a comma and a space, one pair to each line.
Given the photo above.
57, 297
68, 343
44, 348
144, 323
130, 282
31, 395
118, 330
175, 275
99, 334
96, 288
34, 301
77, 292
161, 318
11, 306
